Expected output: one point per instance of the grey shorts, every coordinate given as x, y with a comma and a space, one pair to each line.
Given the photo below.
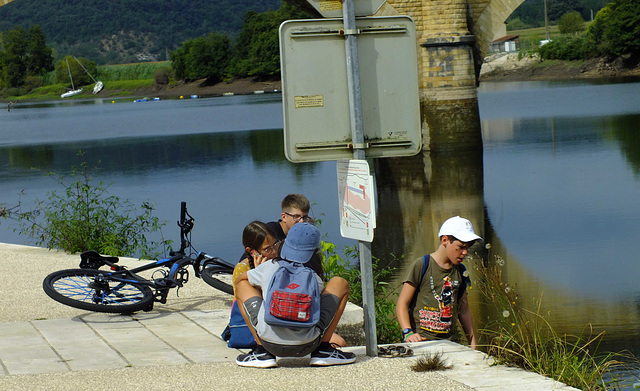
329, 306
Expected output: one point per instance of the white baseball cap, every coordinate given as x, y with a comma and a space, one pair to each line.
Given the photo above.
460, 228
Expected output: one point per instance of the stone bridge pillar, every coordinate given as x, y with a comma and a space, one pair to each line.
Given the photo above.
448, 99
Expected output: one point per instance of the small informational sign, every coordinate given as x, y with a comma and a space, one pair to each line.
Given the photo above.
356, 200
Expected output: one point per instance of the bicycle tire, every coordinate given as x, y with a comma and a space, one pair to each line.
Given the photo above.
209, 273
72, 287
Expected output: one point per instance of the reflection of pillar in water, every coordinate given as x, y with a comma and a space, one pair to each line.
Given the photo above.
417, 194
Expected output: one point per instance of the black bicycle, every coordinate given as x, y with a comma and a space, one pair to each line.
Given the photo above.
121, 290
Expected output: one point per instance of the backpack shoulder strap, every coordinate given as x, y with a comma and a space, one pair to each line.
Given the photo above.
414, 299
425, 266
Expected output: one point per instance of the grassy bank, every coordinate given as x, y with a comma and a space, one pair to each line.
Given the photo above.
530, 38
119, 80
135, 71
112, 89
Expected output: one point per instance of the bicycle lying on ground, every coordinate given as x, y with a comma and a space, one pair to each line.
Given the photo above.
121, 290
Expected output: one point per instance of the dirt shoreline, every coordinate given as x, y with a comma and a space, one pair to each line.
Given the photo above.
495, 69
187, 89
511, 68
501, 68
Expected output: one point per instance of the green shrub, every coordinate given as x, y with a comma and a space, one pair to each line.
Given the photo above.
568, 47
163, 76
616, 28
203, 57
571, 23
86, 217
387, 328
31, 82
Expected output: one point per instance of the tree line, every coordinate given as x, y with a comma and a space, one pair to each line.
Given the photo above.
120, 31
24, 56
26, 60
530, 14
255, 52
615, 32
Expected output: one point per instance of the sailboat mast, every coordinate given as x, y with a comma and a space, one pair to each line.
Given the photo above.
85, 69
70, 78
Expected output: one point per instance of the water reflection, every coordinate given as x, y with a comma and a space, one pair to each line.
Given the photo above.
228, 179
555, 195
417, 194
555, 190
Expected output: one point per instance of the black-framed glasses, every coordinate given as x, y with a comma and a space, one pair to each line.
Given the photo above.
298, 218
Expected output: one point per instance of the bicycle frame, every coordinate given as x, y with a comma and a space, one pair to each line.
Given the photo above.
176, 263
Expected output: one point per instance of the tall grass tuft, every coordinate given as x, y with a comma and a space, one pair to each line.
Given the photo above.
525, 338
430, 362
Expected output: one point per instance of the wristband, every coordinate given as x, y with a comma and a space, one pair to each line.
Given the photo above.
406, 333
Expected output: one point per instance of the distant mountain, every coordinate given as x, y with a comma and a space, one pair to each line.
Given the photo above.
120, 31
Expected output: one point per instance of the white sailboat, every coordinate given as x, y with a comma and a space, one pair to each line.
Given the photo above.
98, 86
73, 88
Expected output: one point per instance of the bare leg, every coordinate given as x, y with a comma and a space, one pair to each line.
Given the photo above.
338, 287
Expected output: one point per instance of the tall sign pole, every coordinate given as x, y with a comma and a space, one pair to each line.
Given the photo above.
357, 137
328, 117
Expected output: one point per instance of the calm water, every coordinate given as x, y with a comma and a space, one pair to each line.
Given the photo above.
555, 190
224, 156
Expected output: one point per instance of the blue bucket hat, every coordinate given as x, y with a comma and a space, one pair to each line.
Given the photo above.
303, 239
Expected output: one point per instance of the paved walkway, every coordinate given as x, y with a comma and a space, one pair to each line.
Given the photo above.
103, 342
45, 345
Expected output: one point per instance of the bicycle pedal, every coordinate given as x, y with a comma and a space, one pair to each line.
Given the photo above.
164, 283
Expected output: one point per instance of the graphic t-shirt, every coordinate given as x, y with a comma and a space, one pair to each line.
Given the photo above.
438, 299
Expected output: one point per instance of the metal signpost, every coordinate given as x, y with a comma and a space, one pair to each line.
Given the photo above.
319, 99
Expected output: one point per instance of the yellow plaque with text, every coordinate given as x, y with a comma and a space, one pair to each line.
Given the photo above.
306, 101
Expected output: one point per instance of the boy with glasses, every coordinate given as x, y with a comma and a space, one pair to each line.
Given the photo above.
295, 209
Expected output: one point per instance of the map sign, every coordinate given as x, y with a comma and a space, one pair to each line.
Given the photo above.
356, 200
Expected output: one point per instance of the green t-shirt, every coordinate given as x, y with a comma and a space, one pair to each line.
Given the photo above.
438, 300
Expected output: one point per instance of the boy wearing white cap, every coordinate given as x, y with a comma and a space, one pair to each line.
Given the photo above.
433, 292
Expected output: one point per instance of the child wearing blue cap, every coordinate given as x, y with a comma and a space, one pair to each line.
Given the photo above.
302, 242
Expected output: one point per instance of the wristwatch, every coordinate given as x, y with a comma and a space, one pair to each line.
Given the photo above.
406, 332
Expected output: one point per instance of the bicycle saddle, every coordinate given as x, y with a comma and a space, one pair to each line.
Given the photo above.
92, 260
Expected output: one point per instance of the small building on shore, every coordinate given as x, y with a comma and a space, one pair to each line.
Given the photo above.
507, 44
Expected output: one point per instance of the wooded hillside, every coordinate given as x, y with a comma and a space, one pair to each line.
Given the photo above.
120, 31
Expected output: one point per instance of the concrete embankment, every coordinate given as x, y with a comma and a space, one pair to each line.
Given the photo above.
45, 345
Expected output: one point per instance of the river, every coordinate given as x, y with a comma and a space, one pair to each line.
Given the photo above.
555, 190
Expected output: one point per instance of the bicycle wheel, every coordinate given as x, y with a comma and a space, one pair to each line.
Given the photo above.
211, 273
91, 290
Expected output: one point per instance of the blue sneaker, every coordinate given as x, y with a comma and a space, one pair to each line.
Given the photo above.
257, 358
327, 355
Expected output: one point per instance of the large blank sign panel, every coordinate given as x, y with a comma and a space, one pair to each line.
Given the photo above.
317, 122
